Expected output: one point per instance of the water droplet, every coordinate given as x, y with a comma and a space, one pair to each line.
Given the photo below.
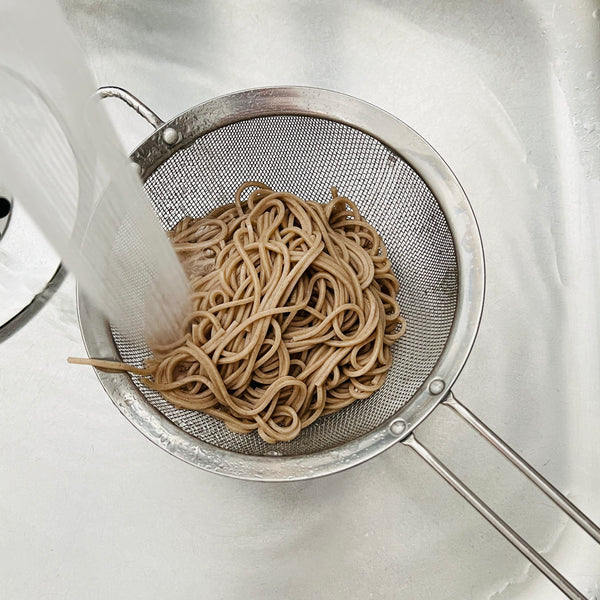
273, 453
596, 14
591, 76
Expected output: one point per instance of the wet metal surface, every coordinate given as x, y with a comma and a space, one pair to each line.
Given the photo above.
508, 94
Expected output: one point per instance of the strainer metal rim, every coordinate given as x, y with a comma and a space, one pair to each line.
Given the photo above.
421, 156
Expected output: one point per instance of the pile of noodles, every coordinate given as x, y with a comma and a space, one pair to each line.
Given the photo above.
294, 313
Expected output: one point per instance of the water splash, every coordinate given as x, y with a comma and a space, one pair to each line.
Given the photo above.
62, 160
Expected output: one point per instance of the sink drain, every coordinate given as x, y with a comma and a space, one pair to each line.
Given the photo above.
5, 212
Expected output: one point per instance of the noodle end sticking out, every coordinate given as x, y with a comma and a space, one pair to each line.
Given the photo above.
294, 313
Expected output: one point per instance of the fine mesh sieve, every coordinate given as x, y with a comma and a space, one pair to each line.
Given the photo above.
307, 155
305, 141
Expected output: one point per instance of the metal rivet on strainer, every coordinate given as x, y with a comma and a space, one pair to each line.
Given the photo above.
171, 136
437, 386
398, 426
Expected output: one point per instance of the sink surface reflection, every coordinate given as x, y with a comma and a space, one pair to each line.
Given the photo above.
507, 93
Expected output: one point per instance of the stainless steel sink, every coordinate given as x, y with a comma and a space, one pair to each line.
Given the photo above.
508, 93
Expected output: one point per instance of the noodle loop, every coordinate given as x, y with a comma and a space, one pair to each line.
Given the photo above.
294, 313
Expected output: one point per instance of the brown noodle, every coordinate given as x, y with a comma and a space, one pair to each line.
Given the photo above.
294, 313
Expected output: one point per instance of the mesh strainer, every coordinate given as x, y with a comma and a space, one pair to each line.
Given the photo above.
305, 140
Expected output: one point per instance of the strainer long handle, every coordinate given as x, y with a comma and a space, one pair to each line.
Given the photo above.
494, 519
543, 484
536, 478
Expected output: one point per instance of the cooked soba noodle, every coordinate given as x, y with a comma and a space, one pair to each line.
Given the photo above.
294, 313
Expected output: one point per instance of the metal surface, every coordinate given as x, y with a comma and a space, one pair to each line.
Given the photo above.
491, 517
269, 125
33, 305
403, 188
131, 100
534, 476
30, 270
508, 94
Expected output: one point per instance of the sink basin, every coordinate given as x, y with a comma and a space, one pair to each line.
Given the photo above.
508, 94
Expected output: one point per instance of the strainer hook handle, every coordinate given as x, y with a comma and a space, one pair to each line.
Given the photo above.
133, 102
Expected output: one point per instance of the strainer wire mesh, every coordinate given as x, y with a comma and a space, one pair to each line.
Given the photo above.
307, 156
